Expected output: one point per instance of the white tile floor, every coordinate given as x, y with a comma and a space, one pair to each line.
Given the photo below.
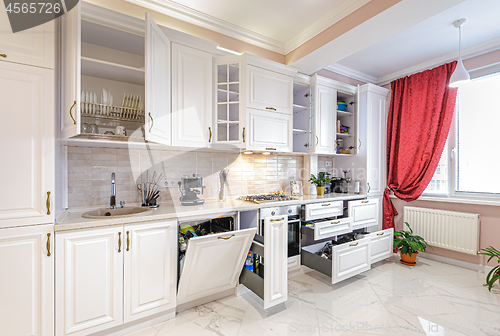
431, 298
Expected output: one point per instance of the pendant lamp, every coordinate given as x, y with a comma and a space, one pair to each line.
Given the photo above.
460, 75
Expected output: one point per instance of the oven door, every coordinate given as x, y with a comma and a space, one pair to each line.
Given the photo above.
293, 236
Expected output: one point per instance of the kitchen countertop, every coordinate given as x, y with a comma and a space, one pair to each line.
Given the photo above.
75, 221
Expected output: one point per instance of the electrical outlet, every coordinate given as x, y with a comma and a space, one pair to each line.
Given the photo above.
328, 163
170, 184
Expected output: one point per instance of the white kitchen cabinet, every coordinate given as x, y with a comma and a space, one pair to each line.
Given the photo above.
158, 108
253, 96
330, 228
269, 131
269, 90
89, 280
213, 264
324, 119
364, 213
381, 244
27, 144
27, 281
150, 266
34, 46
191, 97
323, 210
302, 114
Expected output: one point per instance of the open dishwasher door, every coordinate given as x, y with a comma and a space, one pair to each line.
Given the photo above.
213, 263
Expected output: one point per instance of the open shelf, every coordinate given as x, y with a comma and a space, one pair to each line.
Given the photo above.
111, 137
300, 130
113, 71
344, 113
344, 135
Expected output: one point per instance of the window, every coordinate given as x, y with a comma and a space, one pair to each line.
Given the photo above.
473, 144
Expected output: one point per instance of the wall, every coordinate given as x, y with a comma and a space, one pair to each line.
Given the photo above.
89, 173
488, 215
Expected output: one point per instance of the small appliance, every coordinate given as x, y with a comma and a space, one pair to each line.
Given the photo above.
189, 188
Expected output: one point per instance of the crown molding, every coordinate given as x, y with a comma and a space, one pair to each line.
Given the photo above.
203, 20
473, 51
320, 25
351, 73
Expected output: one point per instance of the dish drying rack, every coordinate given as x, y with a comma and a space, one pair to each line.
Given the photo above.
104, 111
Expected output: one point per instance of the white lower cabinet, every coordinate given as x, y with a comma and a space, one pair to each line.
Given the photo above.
150, 267
109, 276
364, 213
350, 259
27, 281
89, 280
381, 244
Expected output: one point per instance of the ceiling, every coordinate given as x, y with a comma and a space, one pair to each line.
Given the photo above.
429, 42
279, 25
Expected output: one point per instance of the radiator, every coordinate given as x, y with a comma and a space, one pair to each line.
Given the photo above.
456, 231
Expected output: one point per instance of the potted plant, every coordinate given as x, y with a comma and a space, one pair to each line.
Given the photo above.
494, 274
320, 182
408, 245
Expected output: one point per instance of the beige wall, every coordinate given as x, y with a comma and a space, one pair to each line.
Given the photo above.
89, 173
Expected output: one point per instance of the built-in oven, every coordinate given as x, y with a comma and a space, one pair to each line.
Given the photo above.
293, 214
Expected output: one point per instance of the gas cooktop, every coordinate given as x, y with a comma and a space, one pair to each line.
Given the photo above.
267, 198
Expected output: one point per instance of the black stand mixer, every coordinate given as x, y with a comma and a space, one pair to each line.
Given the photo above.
188, 188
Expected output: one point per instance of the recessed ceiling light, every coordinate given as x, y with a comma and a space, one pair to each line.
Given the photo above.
266, 153
247, 152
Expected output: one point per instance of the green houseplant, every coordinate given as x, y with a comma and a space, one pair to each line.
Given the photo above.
408, 245
494, 274
320, 182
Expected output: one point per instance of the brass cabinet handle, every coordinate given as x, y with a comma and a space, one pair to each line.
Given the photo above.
71, 114
337, 222
48, 203
231, 236
3, 55
277, 220
119, 242
152, 122
128, 241
325, 204
48, 244
354, 244
270, 148
380, 234
369, 187
210, 131
359, 143
243, 134
270, 108
365, 201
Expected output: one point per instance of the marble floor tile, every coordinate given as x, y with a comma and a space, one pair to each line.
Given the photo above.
431, 299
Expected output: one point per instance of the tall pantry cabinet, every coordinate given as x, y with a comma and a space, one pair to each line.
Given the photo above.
27, 80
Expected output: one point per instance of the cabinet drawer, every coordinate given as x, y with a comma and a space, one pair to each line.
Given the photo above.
381, 244
364, 213
348, 259
332, 228
323, 210
270, 91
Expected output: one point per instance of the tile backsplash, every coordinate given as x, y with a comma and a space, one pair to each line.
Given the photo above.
89, 173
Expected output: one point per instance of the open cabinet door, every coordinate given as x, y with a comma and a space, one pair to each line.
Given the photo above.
158, 115
213, 264
71, 35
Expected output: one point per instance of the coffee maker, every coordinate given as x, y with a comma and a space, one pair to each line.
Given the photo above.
189, 188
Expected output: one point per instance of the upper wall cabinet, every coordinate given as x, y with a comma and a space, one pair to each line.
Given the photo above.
191, 97
250, 93
35, 46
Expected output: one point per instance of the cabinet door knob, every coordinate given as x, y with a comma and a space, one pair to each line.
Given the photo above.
71, 114
354, 244
369, 187
337, 222
380, 234
243, 134
277, 220
359, 143
128, 241
210, 132
270, 108
3, 55
152, 122
48, 203
119, 242
365, 201
325, 204
48, 245
231, 236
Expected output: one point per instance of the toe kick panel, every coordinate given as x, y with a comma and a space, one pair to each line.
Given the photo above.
213, 264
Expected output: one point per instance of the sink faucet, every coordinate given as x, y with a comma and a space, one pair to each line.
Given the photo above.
112, 200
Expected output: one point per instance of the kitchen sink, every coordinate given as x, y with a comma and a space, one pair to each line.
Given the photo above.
116, 213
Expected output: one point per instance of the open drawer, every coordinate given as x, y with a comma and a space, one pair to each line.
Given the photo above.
381, 244
348, 259
271, 284
364, 213
329, 228
323, 210
213, 263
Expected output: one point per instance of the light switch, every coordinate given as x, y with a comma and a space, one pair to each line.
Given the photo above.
328, 163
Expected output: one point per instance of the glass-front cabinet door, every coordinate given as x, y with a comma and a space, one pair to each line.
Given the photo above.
229, 118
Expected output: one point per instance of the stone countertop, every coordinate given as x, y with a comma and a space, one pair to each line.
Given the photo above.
75, 221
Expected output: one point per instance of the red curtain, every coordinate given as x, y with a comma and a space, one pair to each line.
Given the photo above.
420, 117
